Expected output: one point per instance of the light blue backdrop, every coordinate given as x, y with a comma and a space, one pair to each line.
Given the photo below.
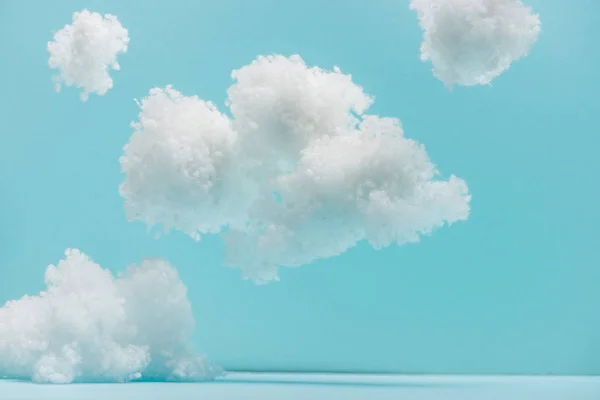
513, 290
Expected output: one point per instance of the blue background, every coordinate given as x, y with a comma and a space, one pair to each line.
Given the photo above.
515, 289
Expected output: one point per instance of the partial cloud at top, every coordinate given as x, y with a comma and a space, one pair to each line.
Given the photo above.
471, 42
85, 51
90, 326
300, 171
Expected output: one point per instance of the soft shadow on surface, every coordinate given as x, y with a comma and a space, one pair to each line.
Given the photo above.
225, 381
331, 383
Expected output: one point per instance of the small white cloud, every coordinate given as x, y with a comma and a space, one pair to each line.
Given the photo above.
299, 173
86, 50
90, 326
471, 42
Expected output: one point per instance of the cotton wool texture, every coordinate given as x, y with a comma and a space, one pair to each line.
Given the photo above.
85, 51
88, 325
471, 42
298, 173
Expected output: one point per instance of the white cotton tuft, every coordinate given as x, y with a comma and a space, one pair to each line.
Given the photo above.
280, 105
86, 50
301, 174
369, 184
179, 166
471, 42
90, 326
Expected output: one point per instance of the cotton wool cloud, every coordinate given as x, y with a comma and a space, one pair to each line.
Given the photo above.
471, 42
299, 172
84, 52
88, 325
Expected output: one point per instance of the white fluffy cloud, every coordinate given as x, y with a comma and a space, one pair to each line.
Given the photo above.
178, 164
86, 50
299, 173
90, 326
471, 42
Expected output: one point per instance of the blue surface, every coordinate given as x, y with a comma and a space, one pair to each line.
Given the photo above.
512, 290
326, 387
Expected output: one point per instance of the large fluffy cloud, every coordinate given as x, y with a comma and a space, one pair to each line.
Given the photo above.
298, 173
471, 42
90, 326
86, 50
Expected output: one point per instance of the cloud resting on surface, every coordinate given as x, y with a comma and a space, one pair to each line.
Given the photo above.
90, 326
298, 173
471, 42
84, 51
